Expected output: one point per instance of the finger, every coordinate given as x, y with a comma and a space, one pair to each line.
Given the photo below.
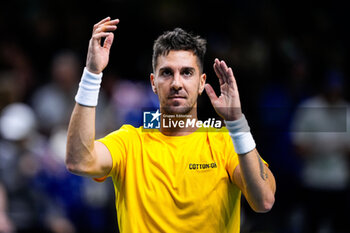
96, 38
217, 68
221, 81
101, 22
228, 74
108, 41
220, 70
223, 65
112, 22
105, 28
211, 93
224, 68
232, 78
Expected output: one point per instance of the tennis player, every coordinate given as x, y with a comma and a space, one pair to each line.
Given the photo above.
172, 179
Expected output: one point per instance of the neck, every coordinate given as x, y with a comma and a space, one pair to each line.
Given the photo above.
174, 124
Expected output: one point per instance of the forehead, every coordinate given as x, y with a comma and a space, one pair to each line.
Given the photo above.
177, 59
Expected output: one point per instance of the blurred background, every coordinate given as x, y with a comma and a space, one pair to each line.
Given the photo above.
288, 57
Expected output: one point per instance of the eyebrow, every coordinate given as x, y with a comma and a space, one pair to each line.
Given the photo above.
165, 68
188, 68
182, 68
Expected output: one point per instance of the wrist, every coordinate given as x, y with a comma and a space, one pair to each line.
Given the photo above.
93, 70
89, 88
241, 136
234, 115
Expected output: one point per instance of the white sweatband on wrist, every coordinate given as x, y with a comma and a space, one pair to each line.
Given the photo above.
242, 139
89, 87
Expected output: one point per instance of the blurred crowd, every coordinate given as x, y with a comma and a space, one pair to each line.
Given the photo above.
291, 65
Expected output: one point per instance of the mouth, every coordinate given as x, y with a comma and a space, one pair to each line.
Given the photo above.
175, 97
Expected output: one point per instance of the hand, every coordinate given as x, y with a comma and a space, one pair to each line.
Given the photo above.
98, 56
227, 105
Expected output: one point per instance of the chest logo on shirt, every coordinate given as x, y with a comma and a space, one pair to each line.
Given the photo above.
202, 166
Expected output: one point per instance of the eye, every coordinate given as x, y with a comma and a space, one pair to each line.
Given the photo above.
187, 72
166, 73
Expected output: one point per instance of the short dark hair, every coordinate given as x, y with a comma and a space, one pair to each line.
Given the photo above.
179, 39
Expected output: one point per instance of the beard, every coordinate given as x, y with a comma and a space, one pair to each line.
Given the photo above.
171, 110
178, 107
171, 107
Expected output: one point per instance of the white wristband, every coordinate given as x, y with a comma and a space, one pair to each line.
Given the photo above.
89, 88
242, 139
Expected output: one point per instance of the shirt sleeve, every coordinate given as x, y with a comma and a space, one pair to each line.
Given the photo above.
117, 144
230, 154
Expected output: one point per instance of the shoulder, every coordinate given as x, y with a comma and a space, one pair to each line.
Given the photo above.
126, 129
124, 133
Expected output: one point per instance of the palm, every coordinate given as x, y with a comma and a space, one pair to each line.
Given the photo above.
100, 57
228, 104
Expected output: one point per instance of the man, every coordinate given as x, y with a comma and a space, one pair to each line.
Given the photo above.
321, 140
171, 180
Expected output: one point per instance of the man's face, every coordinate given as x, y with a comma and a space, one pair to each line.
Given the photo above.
177, 81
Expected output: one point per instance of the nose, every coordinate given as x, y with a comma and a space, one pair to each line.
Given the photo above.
176, 83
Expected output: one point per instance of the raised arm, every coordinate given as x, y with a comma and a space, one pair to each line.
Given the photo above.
252, 176
85, 156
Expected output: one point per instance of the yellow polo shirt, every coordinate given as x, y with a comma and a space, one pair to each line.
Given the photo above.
174, 183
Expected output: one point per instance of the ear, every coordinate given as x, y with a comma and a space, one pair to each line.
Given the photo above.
202, 80
154, 89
